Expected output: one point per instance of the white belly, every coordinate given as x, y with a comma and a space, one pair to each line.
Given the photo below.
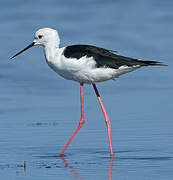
84, 70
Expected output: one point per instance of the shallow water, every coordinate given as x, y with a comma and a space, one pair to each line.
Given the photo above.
39, 110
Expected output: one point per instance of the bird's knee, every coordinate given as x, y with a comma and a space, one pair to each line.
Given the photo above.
107, 121
82, 121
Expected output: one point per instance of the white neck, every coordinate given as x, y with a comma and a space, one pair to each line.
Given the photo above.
50, 50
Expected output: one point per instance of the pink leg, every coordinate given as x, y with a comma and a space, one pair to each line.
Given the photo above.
82, 119
107, 121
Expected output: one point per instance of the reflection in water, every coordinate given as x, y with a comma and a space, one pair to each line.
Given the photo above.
72, 170
110, 168
68, 167
77, 175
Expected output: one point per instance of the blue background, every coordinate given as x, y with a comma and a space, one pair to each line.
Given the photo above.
39, 110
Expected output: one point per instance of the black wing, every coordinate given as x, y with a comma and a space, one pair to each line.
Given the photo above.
104, 57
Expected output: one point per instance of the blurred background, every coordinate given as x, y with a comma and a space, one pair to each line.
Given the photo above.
40, 110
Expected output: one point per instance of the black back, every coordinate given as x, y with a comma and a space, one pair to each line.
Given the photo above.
103, 57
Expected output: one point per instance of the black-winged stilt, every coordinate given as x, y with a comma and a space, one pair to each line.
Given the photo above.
85, 64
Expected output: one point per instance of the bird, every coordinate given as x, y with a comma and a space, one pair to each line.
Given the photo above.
85, 64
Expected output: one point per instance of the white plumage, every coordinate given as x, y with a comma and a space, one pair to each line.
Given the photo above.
81, 70
84, 69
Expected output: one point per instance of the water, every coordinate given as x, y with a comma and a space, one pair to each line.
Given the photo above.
39, 110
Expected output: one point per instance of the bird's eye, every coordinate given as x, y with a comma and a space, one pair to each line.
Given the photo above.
40, 36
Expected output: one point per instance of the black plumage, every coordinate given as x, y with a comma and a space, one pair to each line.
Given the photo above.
104, 57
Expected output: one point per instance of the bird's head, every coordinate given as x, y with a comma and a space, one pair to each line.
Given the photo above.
46, 36
43, 37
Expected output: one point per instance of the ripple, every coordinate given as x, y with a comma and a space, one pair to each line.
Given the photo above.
150, 158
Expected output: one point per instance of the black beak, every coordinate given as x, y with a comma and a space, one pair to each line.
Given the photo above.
32, 44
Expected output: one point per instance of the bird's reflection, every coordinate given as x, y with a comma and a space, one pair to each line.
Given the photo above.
71, 169
77, 175
110, 169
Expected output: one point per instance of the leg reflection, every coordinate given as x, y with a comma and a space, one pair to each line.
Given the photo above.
110, 168
71, 169
76, 174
